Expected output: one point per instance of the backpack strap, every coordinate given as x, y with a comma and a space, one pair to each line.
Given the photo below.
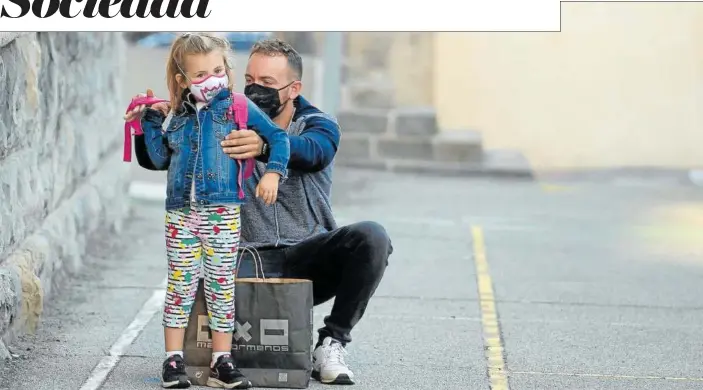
239, 111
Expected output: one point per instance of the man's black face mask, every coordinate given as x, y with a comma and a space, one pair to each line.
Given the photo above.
266, 98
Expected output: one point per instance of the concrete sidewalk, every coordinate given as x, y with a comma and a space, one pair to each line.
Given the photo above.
551, 286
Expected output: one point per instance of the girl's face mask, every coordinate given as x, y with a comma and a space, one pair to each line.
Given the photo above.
207, 88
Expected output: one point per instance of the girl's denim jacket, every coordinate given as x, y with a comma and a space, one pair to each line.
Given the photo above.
190, 149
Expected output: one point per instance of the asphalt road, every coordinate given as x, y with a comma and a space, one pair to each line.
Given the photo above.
574, 285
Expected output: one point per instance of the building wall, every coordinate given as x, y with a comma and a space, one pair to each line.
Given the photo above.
388, 70
621, 85
62, 179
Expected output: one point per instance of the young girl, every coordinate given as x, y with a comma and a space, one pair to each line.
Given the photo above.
203, 196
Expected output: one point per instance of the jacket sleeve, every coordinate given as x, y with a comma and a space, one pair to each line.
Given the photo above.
142, 154
314, 149
151, 148
276, 137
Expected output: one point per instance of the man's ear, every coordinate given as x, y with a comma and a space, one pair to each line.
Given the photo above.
295, 89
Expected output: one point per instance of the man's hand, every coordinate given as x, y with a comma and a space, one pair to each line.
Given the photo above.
242, 144
268, 187
163, 107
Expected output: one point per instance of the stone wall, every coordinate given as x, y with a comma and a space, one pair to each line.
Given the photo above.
408, 140
62, 180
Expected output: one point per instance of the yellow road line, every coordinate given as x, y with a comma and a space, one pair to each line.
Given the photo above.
492, 341
555, 188
608, 376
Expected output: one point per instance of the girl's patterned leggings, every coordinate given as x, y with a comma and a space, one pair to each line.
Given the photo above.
206, 236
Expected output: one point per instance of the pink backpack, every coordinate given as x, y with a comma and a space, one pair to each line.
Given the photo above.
135, 124
238, 111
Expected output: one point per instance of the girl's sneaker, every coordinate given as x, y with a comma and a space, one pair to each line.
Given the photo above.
225, 375
174, 375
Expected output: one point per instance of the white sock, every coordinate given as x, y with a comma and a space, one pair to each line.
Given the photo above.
216, 355
171, 353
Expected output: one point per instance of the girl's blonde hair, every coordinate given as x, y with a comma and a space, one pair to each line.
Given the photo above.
188, 44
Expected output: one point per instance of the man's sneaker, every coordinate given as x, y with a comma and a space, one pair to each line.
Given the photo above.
173, 374
225, 375
328, 364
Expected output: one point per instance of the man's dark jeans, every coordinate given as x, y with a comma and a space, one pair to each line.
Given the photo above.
347, 263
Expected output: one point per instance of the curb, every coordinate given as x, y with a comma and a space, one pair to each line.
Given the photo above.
148, 191
515, 169
664, 176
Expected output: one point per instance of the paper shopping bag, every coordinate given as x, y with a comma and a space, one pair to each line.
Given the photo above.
197, 346
272, 344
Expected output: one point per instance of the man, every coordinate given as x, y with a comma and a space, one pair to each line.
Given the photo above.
297, 237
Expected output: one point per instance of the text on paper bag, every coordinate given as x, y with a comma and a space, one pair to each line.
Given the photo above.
273, 335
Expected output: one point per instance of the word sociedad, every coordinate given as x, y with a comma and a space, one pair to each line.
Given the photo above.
106, 8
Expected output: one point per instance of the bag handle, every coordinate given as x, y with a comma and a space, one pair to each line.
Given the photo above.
256, 257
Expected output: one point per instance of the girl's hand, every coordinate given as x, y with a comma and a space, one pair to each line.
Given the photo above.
268, 187
163, 107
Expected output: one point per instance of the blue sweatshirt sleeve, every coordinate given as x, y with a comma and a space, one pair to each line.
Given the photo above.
316, 146
314, 149
276, 137
156, 144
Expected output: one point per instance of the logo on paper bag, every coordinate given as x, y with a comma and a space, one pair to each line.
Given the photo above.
273, 335
203, 337
241, 332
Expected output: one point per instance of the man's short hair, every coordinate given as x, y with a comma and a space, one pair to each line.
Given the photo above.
277, 47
